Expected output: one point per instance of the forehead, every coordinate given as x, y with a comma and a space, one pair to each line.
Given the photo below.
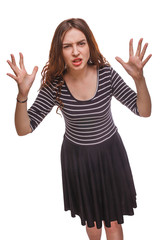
73, 35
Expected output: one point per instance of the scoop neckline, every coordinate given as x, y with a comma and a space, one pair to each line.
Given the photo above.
88, 100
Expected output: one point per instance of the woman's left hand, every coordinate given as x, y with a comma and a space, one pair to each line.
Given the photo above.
135, 64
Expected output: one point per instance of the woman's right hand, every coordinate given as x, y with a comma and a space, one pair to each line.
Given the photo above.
23, 79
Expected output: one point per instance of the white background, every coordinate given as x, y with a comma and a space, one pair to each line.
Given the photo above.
31, 199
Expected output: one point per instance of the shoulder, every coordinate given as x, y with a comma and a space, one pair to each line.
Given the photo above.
55, 83
105, 70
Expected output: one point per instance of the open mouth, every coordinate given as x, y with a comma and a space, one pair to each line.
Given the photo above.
77, 61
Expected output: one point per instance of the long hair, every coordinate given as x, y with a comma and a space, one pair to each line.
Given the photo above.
55, 67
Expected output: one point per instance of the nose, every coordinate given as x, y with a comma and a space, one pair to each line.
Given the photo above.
75, 50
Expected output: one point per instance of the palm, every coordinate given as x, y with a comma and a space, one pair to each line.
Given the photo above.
135, 64
23, 79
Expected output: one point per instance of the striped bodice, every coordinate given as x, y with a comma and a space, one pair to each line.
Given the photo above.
87, 122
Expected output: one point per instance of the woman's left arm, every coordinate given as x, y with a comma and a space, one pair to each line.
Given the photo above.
134, 68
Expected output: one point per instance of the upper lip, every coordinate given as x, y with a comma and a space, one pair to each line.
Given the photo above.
77, 59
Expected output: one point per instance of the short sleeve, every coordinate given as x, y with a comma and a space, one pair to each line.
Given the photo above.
42, 105
123, 93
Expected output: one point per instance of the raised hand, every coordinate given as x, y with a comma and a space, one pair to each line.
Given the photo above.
23, 79
135, 64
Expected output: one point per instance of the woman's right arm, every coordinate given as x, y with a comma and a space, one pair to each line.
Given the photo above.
22, 121
24, 82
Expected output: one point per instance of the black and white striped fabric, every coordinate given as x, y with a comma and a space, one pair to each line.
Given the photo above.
87, 122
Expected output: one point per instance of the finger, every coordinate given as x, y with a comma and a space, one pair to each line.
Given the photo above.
21, 62
139, 47
120, 61
12, 66
12, 76
34, 71
10, 63
146, 60
131, 52
13, 59
143, 51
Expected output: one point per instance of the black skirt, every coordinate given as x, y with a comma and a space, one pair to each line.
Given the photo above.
97, 181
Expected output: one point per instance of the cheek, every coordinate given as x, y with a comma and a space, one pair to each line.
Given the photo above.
87, 54
65, 56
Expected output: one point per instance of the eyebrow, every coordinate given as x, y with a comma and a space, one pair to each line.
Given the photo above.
76, 42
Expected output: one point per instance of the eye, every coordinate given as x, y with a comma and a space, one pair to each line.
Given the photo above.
82, 43
66, 46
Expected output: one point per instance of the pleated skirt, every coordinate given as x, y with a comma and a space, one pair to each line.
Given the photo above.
97, 181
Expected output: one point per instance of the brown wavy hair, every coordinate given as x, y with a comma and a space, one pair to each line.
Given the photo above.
55, 67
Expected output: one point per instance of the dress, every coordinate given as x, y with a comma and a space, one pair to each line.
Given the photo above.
97, 179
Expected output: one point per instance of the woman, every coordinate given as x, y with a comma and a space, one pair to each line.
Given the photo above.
97, 180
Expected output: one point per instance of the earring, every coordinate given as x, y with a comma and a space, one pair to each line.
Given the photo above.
65, 65
89, 61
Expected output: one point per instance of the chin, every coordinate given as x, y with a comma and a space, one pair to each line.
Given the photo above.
81, 67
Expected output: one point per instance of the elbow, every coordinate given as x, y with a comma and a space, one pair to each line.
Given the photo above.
23, 132
145, 114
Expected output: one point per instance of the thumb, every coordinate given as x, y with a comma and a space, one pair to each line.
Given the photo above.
35, 69
120, 61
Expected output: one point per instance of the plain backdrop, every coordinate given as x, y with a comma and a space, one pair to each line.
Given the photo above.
31, 198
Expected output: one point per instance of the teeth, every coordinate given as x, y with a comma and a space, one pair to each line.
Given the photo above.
77, 60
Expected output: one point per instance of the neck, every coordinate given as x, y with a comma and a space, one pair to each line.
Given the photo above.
78, 74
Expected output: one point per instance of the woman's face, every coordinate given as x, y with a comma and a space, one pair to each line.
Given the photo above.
75, 49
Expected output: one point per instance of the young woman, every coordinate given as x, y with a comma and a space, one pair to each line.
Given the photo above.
97, 179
